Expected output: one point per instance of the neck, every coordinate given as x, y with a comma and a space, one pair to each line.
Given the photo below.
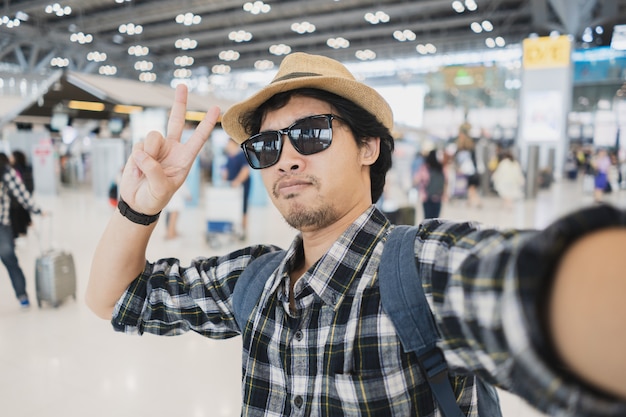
317, 242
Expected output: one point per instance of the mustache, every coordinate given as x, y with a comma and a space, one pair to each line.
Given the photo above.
294, 179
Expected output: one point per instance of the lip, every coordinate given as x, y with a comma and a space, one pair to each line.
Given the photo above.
290, 186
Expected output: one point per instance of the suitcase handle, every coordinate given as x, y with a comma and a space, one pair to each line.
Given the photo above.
38, 232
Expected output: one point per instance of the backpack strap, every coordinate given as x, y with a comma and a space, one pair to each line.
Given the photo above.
404, 301
250, 284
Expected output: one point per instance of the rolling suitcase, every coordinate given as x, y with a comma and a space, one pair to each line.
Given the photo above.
224, 214
55, 275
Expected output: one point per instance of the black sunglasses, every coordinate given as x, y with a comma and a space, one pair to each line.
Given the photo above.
308, 136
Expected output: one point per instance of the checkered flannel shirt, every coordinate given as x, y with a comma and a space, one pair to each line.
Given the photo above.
12, 184
338, 354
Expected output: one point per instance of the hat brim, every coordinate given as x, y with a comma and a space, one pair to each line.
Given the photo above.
355, 91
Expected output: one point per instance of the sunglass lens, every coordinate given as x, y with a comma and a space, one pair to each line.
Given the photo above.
311, 135
263, 150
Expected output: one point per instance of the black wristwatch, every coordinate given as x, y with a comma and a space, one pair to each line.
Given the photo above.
134, 216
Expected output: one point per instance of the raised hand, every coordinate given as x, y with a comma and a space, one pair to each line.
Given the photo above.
158, 165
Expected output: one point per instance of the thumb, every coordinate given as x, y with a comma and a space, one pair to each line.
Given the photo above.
153, 173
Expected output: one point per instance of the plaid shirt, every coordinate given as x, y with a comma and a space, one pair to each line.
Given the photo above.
338, 354
12, 184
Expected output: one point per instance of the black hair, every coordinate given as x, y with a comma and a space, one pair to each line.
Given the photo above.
4, 162
433, 161
362, 123
19, 159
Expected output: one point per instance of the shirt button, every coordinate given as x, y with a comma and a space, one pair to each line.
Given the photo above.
298, 335
298, 401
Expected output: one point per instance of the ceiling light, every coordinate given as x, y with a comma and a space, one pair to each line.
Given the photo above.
85, 105
428, 48
59, 62
263, 65
186, 44
229, 55
458, 6
365, 55
107, 70
130, 29
404, 35
126, 109
147, 77
338, 43
24, 16
487, 25
144, 65
58, 10
302, 28
196, 116
96, 56
182, 73
240, 36
188, 19
280, 49
138, 50
9, 23
376, 18
476, 27
220, 69
490, 42
257, 7
500, 41
471, 5
183, 61
81, 38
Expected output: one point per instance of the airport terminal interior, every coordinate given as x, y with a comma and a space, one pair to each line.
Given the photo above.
67, 362
82, 80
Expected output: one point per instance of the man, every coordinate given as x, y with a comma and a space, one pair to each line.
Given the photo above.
520, 309
237, 172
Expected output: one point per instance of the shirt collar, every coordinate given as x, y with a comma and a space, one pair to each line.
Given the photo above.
332, 276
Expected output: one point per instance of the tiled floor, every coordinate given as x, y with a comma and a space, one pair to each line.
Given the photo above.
66, 362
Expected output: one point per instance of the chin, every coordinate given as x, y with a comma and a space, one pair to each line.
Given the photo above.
308, 219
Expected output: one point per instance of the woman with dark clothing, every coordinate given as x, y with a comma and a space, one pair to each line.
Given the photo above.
12, 185
431, 182
20, 217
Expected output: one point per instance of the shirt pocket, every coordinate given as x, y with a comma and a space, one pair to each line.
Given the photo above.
375, 393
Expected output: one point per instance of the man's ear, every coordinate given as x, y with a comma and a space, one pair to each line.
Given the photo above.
370, 150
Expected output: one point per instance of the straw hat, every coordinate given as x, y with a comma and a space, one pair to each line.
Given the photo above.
300, 70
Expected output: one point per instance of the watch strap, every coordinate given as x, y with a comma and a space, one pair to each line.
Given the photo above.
135, 216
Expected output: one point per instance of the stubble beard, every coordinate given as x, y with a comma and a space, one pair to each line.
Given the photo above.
303, 217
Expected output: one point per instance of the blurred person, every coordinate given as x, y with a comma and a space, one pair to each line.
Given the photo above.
431, 182
512, 307
12, 185
465, 160
601, 163
20, 217
237, 172
173, 210
508, 179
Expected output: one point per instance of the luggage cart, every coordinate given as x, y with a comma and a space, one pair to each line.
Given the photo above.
224, 214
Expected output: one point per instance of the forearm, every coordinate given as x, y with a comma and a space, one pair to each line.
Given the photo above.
243, 175
587, 311
119, 258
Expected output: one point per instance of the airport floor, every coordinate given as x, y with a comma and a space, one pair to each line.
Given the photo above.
66, 362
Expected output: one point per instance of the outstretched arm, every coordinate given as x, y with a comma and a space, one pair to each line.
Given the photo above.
155, 170
587, 311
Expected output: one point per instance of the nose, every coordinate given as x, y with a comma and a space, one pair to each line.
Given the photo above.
290, 158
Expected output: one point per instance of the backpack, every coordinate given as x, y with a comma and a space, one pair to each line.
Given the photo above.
404, 301
435, 185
